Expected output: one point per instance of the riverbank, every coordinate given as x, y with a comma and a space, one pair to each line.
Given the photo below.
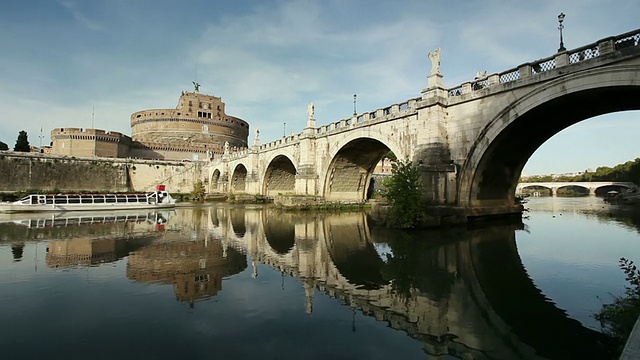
632, 347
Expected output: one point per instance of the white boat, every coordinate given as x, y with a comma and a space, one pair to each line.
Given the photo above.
158, 199
80, 218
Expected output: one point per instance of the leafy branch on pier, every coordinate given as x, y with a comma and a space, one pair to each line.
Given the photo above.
618, 318
404, 193
198, 191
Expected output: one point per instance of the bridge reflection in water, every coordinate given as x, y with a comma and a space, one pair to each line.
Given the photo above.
461, 292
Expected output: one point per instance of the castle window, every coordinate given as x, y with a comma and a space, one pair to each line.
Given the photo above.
190, 103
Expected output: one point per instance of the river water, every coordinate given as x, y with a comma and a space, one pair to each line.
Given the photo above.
250, 282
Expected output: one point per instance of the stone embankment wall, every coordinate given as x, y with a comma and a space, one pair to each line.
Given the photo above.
45, 172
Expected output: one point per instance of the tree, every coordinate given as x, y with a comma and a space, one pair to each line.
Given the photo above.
198, 191
618, 318
404, 193
22, 143
3, 146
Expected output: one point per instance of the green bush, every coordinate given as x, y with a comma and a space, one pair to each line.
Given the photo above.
198, 191
405, 196
618, 318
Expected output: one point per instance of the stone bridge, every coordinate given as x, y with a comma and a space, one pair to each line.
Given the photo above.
471, 141
591, 186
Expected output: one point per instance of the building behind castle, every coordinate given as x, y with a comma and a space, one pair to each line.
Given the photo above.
195, 130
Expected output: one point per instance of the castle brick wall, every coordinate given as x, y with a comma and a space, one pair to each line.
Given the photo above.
45, 172
89, 143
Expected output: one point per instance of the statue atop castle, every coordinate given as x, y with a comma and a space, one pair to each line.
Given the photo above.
196, 85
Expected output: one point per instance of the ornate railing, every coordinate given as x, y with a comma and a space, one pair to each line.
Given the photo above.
615, 43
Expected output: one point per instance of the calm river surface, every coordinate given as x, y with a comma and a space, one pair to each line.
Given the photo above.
249, 282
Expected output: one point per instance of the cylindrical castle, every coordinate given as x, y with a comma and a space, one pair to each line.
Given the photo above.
198, 124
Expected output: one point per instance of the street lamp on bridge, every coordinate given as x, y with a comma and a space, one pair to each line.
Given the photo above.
354, 103
560, 27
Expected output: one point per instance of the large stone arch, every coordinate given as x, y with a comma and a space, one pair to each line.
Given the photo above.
353, 158
279, 176
214, 182
489, 175
239, 178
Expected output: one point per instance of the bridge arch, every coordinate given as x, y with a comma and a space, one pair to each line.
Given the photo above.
490, 172
239, 179
280, 176
214, 182
353, 159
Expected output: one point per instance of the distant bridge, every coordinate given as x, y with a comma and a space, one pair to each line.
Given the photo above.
591, 186
471, 141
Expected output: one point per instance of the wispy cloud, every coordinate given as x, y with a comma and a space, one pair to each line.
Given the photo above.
80, 17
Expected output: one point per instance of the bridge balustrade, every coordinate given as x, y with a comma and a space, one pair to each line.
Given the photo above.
564, 58
584, 53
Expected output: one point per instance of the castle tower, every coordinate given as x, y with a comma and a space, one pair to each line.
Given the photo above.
196, 126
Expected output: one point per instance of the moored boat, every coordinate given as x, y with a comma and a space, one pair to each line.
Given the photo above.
630, 197
158, 199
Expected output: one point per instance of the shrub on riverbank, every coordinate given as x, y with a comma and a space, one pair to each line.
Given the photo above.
404, 192
618, 318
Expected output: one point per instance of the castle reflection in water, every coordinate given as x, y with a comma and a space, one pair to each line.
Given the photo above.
461, 292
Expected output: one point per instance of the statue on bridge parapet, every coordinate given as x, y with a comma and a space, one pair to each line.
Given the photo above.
311, 110
435, 78
434, 56
256, 140
311, 121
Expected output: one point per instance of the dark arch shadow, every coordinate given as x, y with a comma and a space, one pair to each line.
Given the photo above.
531, 316
350, 171
236, 215
279, 229
280, 176
239, 178
353, 254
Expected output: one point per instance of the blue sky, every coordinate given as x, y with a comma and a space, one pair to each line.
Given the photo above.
269, 59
